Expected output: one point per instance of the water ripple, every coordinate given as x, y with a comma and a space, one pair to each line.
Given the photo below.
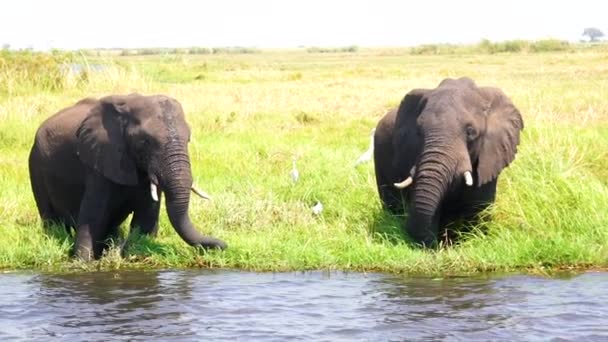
319, 306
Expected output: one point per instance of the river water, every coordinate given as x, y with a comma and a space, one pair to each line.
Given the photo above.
312, 306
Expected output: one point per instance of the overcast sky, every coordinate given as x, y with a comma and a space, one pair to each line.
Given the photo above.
72, 24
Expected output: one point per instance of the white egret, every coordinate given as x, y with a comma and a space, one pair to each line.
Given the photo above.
294, 173
318, 208
367, 155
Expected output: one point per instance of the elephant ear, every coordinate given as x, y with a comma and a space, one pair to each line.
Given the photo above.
503, 126
101, 141
405, 138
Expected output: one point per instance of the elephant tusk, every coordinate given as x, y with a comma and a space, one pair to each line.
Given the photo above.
154, 192
468, 178
200, 193
403, 184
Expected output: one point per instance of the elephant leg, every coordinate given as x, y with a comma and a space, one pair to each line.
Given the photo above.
119, 216
476, 200
93, 223
145, 216
462, 212
43, 200
393, 199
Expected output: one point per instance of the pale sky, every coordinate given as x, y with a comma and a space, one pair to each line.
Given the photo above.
72, 24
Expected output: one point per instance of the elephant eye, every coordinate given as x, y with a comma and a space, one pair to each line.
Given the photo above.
419, 131
471, 132
143, 142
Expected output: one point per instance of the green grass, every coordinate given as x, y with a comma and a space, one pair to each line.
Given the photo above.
250, 113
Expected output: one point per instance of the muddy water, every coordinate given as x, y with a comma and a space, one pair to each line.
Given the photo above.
317, 306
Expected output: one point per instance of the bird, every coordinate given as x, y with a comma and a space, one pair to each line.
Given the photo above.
295, 175
317, 208
367, 155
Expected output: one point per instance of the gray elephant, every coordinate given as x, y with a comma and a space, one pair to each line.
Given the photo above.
439, 154
96, 162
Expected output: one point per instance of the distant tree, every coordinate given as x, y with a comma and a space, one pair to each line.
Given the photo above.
593, 33
6, 46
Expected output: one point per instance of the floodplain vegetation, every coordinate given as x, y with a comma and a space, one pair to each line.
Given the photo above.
252, 111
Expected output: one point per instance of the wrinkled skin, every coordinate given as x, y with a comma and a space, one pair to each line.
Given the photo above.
92, 164
435, 136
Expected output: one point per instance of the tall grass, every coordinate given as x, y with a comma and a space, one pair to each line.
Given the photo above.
316, 49
486, 46
191, 51
23, 71
250, 114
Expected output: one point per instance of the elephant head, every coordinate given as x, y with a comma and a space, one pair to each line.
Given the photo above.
456, 137
137, 140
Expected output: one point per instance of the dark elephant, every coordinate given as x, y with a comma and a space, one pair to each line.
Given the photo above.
96, 162
438, 155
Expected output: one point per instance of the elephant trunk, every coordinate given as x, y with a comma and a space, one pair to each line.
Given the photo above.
434, 173
176, 183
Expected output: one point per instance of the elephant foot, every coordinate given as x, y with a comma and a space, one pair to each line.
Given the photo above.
212, 243
84, 254
428, 243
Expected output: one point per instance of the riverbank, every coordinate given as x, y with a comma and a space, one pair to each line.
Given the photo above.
251, 113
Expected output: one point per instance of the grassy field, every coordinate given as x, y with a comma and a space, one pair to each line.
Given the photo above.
251, 113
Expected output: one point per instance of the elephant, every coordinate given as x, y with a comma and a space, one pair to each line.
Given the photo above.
98, 161
439, 154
